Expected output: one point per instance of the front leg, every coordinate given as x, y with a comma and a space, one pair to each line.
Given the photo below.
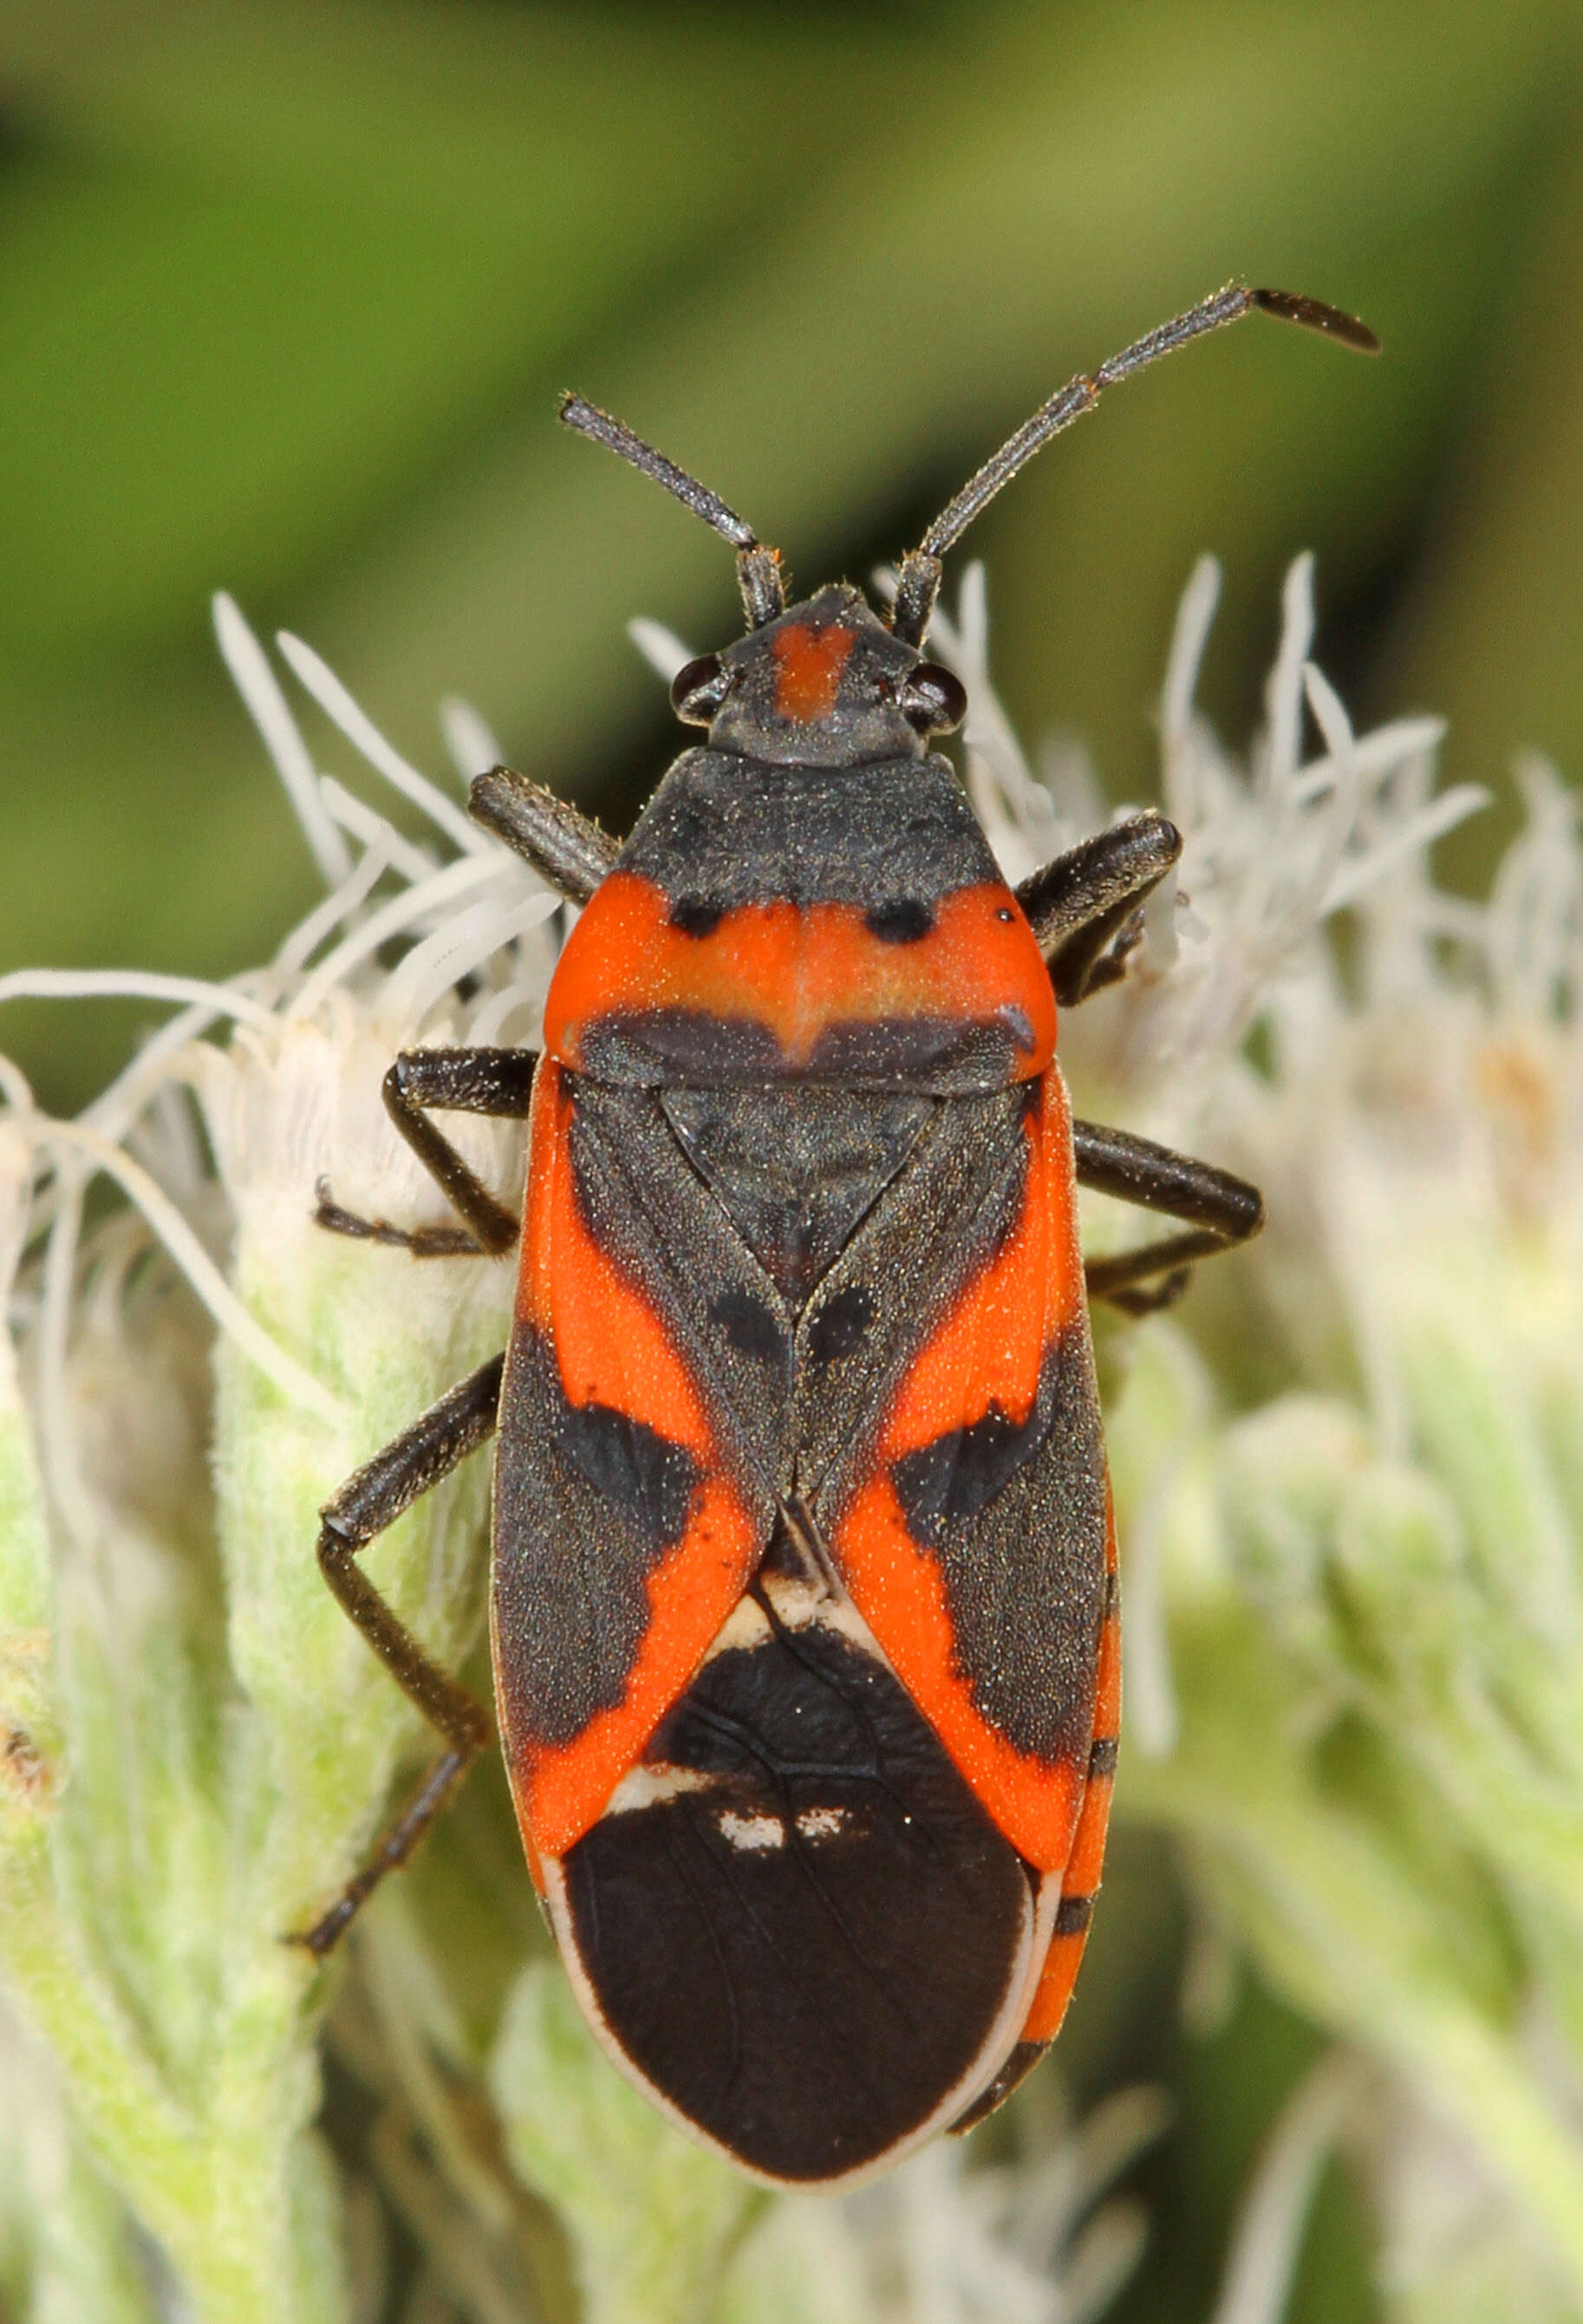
1224, 1212
1085, 907
573, 855
497, 1081
564, 847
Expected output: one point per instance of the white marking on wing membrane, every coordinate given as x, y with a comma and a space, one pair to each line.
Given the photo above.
745, 1627
651, 1787
753, 1834
822, 1824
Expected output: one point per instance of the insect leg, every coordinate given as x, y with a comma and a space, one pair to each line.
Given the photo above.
495, 1082
1223, 1210
1084, 908
564, 847
369, 1501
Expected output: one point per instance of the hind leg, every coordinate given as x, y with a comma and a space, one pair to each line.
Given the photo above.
1224, 1212
366, 1505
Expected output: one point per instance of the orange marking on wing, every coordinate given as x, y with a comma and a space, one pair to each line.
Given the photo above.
899, 1590
1081, 1879
565, 1791
808, 676
989, 1346
535, 1863
613, 1349
1107, 1685
1108, 1690
800, 969
1086, 1860
988, 1350
1062, 1964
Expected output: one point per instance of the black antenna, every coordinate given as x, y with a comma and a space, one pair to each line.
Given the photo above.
919, 578
758, 569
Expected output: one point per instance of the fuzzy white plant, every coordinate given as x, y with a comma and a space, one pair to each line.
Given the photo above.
1349, 1486
1354, 1610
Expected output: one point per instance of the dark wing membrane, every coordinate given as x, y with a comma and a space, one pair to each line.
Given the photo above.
796, 1926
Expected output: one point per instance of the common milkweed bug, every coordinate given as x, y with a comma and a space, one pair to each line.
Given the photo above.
803, 1590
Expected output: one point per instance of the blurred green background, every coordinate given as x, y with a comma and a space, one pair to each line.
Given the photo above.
286, 296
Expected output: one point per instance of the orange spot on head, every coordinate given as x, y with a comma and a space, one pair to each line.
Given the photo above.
810, 673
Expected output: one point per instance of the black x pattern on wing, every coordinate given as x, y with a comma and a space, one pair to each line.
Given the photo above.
795, 1399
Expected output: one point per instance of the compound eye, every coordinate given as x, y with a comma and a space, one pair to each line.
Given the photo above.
933, 700
698, 689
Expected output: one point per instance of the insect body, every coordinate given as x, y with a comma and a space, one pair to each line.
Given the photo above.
803, 1600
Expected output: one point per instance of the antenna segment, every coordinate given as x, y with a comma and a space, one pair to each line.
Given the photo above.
920, 568
758, 569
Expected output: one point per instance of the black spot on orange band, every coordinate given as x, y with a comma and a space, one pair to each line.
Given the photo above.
1072, 1915
906, 921
697, 916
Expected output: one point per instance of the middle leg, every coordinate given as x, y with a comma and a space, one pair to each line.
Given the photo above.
497, 1081
1223, 1212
